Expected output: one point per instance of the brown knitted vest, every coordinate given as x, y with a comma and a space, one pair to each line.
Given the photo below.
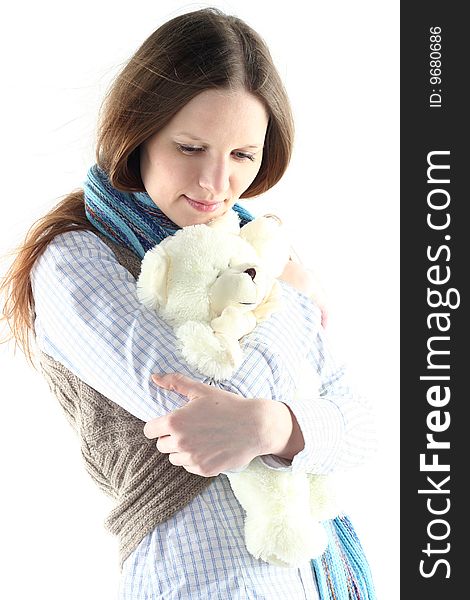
126, 465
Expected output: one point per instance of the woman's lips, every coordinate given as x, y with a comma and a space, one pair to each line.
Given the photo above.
203, 206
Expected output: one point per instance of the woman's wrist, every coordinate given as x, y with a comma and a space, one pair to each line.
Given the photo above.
280, 433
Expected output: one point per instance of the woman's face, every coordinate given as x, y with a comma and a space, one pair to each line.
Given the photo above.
198, 165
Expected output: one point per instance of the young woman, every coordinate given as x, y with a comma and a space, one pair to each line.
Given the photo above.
196, 120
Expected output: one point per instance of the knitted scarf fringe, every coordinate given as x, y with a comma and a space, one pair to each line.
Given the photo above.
133, 220
342, 572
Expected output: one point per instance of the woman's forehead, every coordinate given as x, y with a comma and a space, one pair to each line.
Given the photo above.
231, 113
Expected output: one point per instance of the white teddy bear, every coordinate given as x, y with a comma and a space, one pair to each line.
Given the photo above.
212, 286
213, 283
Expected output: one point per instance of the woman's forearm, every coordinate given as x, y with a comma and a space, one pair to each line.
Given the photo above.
281, 432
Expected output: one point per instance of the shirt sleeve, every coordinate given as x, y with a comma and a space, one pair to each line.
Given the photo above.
89, 319
337, 423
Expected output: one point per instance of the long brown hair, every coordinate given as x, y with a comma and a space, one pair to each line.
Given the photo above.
191, 53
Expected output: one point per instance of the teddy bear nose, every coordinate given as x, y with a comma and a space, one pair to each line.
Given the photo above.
251, 273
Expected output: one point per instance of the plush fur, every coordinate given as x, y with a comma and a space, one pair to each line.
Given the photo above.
213, 284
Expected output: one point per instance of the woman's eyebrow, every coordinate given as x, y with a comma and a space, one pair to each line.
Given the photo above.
198, 139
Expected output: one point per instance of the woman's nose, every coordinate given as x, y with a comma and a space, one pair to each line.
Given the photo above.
215, 177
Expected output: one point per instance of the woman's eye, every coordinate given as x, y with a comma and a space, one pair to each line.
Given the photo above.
244, 156
188, 149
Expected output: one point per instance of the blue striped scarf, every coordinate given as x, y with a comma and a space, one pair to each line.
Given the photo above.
133, 220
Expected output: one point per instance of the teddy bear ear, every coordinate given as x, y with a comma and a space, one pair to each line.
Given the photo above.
269, 239
152, 284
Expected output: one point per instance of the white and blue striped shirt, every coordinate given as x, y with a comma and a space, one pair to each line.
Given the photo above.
88, 318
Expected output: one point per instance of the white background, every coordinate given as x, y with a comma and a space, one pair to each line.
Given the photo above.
339, 62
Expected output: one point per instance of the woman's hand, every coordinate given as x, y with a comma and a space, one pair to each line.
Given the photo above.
215, 431
298, 276
304, 281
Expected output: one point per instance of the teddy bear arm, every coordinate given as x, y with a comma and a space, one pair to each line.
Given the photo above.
234, 323
270, 304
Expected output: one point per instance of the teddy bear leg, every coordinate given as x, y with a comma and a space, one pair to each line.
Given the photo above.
279, 528
323, 501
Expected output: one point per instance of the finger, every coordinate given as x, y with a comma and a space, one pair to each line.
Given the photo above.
157, 427
166, 444
192, 470
180, 459
197, 471
190, 388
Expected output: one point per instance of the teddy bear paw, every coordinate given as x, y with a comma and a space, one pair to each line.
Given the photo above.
210, 353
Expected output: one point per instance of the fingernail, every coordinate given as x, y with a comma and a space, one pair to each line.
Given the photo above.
157, 377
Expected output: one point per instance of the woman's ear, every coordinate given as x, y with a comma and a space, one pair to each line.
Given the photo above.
152, 284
